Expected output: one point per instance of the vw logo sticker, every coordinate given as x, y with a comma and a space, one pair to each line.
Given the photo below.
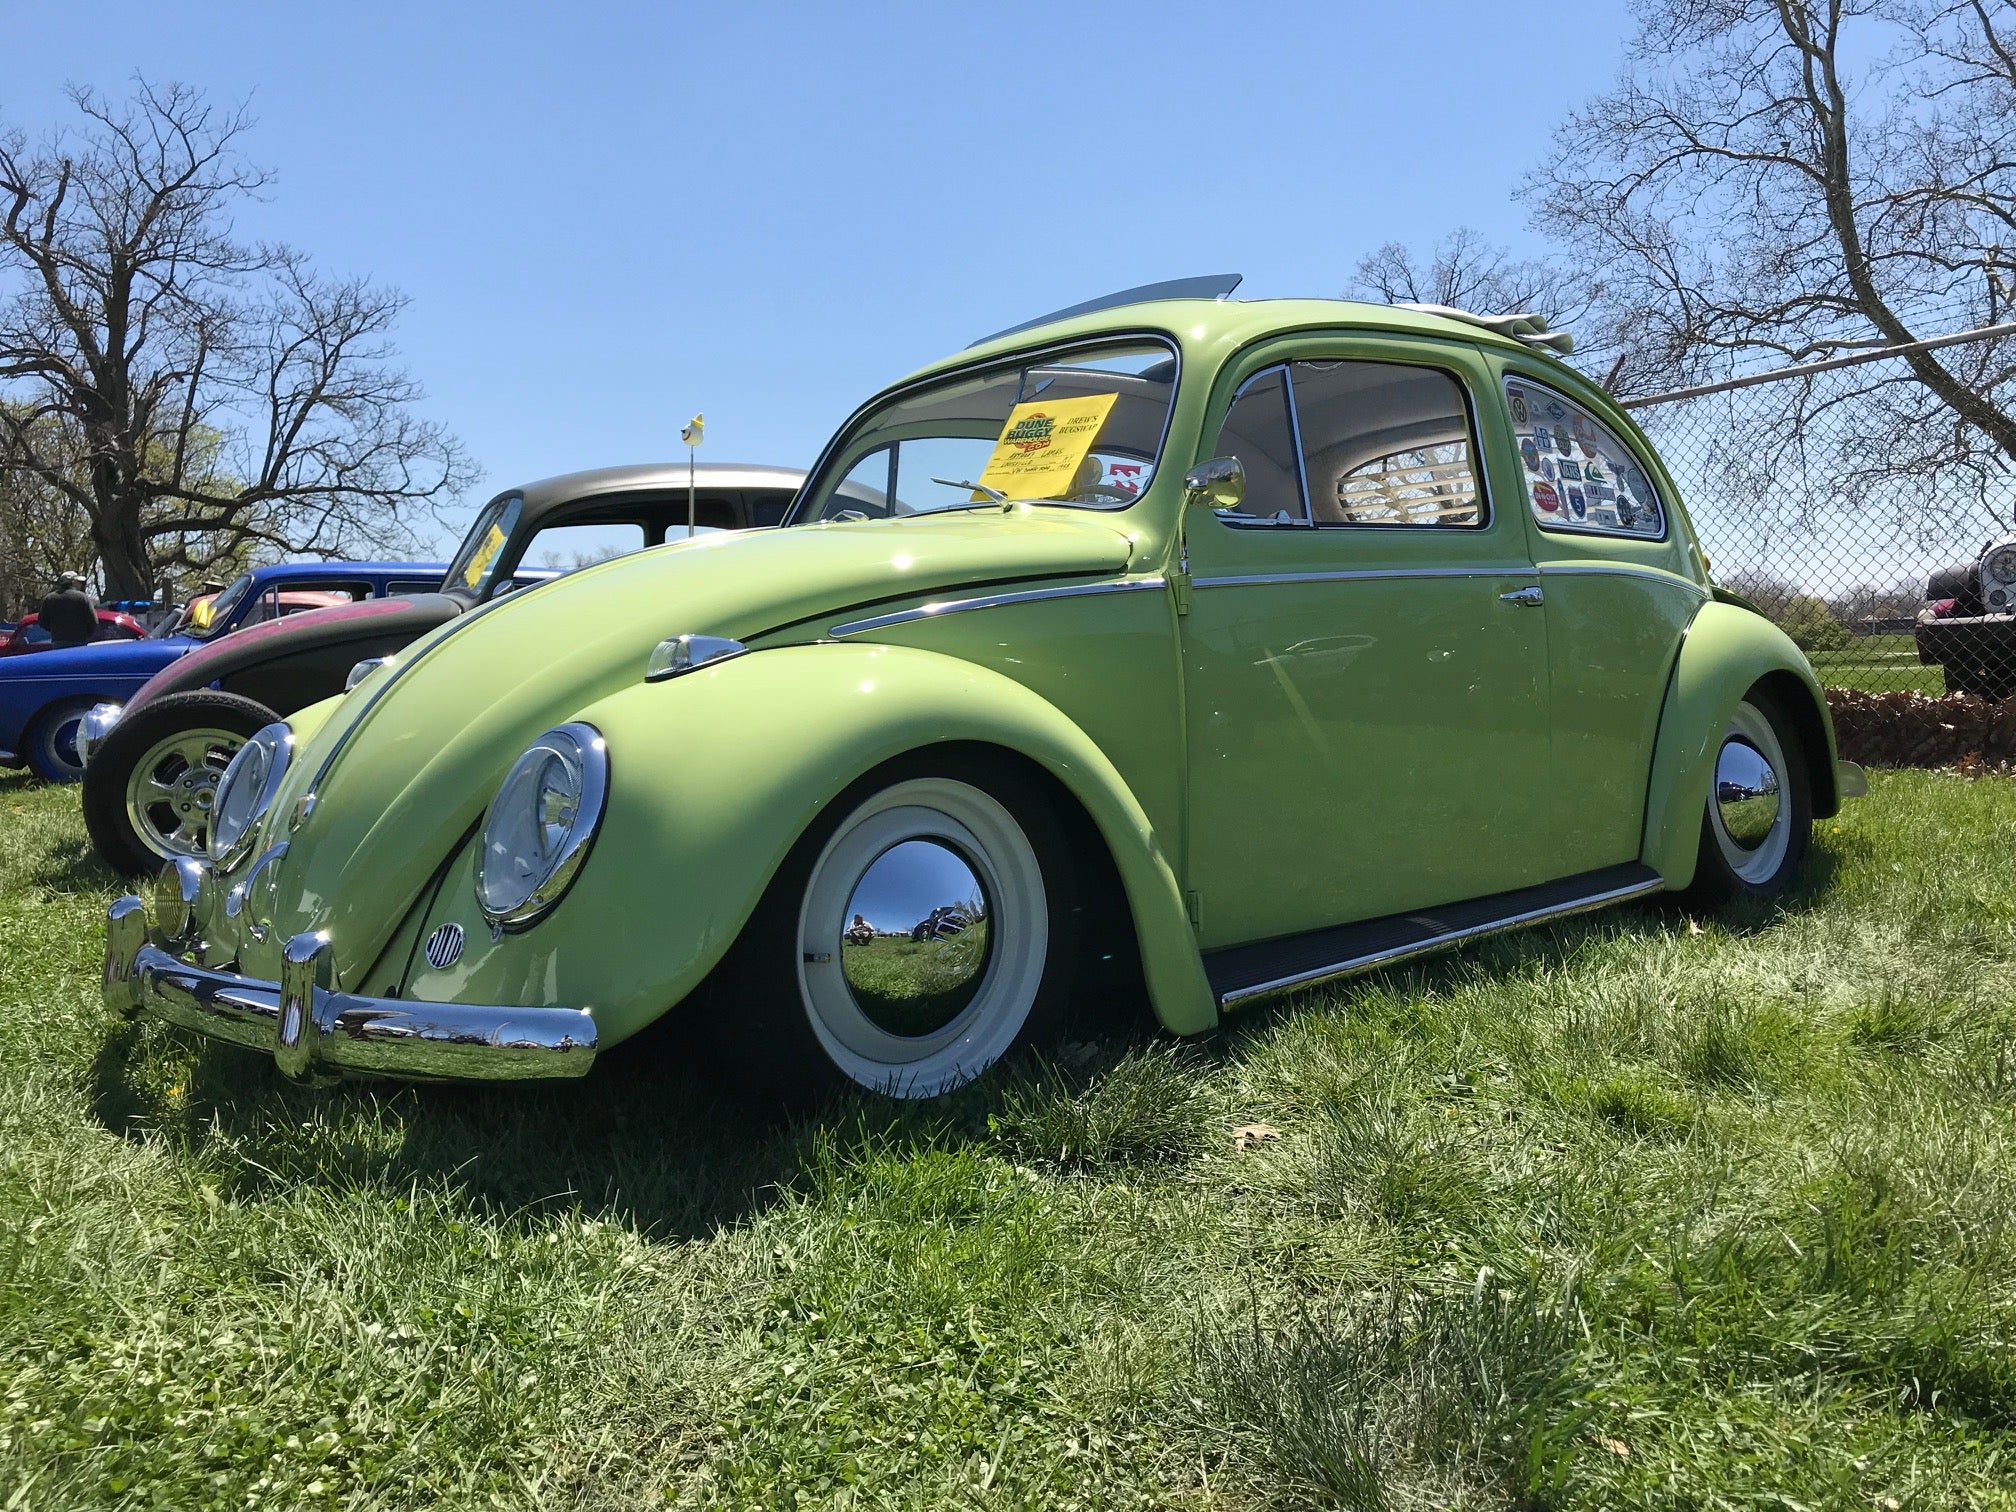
444, 947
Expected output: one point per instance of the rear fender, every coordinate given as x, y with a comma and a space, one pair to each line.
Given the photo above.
713, 777
1727, 651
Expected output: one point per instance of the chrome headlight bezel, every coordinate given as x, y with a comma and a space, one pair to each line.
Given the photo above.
246, 791
581, 749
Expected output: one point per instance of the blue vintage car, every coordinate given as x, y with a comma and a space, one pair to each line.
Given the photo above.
43, 698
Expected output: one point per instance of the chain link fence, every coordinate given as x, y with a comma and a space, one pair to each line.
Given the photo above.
1857, 512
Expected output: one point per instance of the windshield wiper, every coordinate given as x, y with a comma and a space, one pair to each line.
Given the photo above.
994, 495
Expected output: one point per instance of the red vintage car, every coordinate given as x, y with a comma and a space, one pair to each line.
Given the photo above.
30, 636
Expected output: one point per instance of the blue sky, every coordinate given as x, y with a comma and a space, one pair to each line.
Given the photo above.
609, 216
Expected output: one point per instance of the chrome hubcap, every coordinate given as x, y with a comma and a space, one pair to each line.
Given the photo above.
1748, 810
173, 787
1746, 793
914, 948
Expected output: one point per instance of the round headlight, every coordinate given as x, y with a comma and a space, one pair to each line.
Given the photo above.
246, 791
537, 831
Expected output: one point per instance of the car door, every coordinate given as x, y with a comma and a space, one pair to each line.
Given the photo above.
1365, 689
1621, 590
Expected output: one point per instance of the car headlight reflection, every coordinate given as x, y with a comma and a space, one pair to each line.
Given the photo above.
246, 791
539, 826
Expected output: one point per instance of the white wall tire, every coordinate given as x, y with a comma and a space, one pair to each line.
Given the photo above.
977, 825
1758, 819
785, 1012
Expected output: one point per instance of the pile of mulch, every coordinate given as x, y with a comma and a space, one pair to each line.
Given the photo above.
1912, 730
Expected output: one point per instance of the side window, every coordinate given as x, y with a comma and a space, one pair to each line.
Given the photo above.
1259, 432
1386, 444
768, 509
1579, 475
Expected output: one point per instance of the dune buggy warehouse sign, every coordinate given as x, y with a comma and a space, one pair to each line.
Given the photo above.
1044, 444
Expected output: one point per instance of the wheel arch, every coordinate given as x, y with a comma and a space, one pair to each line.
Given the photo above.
1727, 651
775, 738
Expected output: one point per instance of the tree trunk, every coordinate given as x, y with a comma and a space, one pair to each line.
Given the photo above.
122, 551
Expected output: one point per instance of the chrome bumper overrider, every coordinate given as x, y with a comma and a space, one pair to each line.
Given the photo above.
95, 726
312, 1031
1850, 781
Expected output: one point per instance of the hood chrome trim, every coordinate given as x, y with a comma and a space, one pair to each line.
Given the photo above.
988, 601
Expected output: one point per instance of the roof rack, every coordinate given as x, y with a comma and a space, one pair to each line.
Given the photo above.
1528, 328
1210, 286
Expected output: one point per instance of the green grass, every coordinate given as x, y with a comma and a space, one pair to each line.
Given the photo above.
1879, 664
1636, 1211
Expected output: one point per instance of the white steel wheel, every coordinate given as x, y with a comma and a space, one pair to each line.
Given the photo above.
171, 789
1750, 808
945, 895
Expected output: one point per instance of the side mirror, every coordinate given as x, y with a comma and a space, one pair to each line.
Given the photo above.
1220, 483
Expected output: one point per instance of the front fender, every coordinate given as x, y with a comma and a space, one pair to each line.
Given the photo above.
1727, 651
715, 775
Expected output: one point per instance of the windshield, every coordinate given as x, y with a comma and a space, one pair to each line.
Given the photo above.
1083, 429
206, 616
476, 558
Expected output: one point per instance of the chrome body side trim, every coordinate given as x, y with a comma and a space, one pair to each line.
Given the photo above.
307, 1027
1621, 569
1442, 941
1369, 574
989, 601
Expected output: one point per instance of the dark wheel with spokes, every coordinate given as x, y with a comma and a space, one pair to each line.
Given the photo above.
150, 784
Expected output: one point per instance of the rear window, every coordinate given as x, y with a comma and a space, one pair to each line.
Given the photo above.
1580, 476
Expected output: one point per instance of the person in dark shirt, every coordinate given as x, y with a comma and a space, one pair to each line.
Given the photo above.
68, 614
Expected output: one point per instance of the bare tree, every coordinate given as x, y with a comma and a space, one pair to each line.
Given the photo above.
1783, 180
194, 395
1468, 272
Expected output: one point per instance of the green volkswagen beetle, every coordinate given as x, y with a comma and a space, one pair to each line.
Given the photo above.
1248, 643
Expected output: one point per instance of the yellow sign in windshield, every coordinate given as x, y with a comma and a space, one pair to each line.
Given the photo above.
202, 612
493, 542
1044, 444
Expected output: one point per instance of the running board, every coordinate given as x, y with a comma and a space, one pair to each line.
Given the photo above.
1240, 972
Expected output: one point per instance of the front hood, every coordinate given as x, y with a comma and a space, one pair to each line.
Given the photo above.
423, 747
410, 615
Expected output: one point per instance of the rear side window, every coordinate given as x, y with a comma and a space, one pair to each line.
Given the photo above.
1580, 475
1385, 443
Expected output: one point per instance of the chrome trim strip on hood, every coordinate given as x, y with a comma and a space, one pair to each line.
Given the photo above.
988, 601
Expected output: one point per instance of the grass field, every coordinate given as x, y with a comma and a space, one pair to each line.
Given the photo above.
1634, 1212
1879, 664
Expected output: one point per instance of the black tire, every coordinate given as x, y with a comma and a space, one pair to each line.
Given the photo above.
51, 740
1728, 869
219, 722
768, 1012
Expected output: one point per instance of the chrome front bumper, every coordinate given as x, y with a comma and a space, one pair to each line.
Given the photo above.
312, 1031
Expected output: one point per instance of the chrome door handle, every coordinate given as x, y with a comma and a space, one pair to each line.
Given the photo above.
1531, 596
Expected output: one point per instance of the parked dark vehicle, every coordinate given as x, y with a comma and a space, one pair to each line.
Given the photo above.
1968, 623
44, 698
153, 764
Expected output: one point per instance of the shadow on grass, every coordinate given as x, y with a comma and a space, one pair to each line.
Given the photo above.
1553, 946
642, 1139
71, 866
652, 1137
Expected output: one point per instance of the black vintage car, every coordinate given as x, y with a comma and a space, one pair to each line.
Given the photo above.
151, 765
1968, 623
